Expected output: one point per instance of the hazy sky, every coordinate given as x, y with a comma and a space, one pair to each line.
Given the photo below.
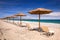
11, 7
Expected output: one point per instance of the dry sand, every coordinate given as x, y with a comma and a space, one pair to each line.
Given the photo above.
10, 31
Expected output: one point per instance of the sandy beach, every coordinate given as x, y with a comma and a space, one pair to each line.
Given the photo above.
11, 31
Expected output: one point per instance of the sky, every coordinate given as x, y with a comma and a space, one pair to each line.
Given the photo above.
12, 7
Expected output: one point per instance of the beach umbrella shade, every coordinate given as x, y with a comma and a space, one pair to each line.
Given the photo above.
4, 18
20, 15
7, 18
13, 18
39, 11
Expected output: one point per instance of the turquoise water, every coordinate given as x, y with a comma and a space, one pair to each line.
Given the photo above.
36, 20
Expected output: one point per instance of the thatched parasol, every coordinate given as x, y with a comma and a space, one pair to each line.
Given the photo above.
7, 18
12, 18
39, 11
20, 14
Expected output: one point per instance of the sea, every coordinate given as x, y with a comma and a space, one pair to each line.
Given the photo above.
36, 20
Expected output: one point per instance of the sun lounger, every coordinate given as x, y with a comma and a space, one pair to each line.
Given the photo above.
23, 25
47, 31
33, 27
28, 26
44, 29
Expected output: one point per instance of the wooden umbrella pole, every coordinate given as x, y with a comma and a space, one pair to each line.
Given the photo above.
39, 22
7, 19
13, 20
20, 20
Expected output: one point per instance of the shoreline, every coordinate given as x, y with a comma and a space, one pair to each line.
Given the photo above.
36, 23
40, 21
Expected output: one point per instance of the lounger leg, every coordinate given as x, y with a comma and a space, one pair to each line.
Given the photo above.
48, 34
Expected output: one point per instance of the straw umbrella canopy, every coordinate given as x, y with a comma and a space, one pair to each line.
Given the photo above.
7, 18
39, 11
20, 15
13, 18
